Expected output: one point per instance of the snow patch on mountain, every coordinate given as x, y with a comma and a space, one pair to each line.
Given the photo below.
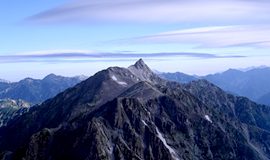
117, 81
144, 123
208, 118
173, 153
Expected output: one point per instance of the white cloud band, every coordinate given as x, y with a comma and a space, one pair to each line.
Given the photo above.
149, 11
217, 36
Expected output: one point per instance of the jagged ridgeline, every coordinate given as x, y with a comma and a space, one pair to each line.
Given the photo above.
131, 113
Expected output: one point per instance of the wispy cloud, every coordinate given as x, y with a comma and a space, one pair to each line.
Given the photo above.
89, 56
214, 36
196, 12
149, 11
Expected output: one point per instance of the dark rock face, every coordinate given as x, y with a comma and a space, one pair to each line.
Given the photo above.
132, 114
36, 91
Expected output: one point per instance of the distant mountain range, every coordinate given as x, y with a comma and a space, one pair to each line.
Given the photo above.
36, 91
178, 77
16, 98
253, 83
132, 113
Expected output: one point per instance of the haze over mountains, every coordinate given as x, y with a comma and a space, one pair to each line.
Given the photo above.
132, 113
265, 99
253, 83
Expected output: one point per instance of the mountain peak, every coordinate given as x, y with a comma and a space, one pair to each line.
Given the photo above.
50, 76
140, 64
144, 73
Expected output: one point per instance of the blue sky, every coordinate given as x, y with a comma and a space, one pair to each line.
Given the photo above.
72, 37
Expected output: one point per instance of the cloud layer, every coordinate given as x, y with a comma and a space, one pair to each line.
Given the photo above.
88, 56
149, 11
246, 22
214, 36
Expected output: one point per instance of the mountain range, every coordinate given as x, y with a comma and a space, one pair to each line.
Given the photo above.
253, 83
132, 113
35, 91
